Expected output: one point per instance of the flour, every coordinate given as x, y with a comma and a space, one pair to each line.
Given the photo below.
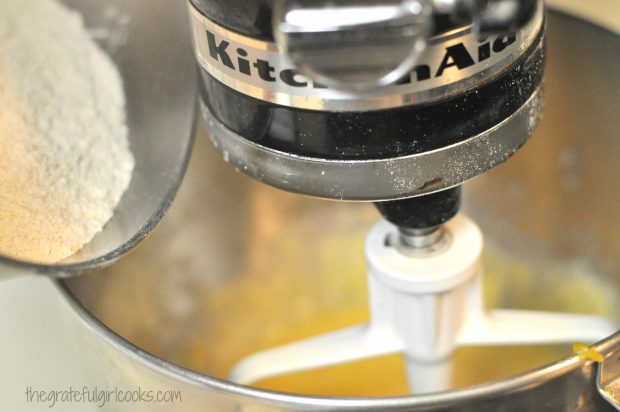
64, 154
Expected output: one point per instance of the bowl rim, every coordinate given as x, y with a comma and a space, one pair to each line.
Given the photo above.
491, 389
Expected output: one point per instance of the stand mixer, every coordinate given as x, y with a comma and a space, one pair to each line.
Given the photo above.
237, 269
393, 102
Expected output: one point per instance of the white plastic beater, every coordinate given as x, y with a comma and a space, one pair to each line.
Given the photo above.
424, 306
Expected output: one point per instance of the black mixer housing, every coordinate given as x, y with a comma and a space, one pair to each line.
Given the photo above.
351, 137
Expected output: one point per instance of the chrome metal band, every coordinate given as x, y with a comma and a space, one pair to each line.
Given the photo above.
451, 64
381, 179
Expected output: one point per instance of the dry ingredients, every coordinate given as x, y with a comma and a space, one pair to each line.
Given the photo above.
64, 154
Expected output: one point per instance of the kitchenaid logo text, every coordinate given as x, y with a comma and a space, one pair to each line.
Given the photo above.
450, 63
101, 397
453, 57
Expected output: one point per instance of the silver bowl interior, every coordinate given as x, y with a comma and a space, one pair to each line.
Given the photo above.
159, 80
237, 266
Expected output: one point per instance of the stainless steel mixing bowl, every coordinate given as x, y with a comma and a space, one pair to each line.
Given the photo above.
236, 267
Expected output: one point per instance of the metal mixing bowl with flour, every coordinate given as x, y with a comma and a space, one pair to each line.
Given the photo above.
159, 144
237, 267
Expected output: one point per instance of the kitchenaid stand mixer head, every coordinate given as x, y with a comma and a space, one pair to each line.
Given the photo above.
398, 103
465, 103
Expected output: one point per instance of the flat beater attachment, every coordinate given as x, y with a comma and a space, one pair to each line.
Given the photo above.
424, 306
